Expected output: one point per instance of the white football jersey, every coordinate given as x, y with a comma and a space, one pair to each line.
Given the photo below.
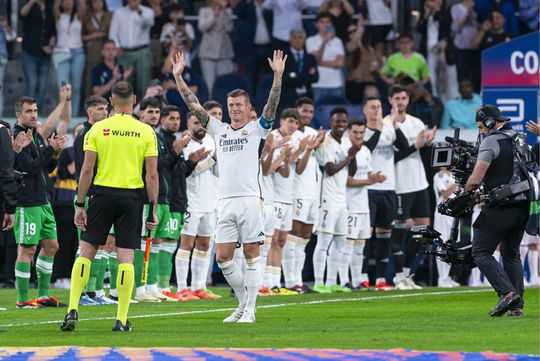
357, 197
283, 187
382, 157
201, 184
238, 157
307, 184
410, 172
267, 185
442, 182
334, 187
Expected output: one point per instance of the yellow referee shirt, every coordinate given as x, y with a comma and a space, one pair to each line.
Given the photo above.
121, 143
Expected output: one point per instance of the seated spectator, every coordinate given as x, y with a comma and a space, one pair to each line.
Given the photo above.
528, 14
362, 63
341, 12
180, 30
406, 61
379, 28
68, 54
459, 112
492, 32
484, 7
96, 23
287, 16
108, 72
300, 71
215, 51
422, 104
330, 55
464, 27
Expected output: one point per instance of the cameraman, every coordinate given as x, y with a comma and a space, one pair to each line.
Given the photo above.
502, 222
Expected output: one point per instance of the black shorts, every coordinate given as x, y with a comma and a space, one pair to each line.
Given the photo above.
413, 205
382, 208
377, 33
124, 209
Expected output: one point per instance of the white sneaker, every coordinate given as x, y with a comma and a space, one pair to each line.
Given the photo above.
534, 282
402, 285
453, 283
444, 283
108, 300
235, 316
410, 282
146, 298
247, 317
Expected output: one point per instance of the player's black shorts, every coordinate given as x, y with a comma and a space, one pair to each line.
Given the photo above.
121, 207
382, 208
413, 205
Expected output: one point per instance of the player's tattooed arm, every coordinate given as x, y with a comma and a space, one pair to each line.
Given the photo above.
178, 65
278, 66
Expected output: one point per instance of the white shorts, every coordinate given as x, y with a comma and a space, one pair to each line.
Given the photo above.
199, 224
359, 226
529, 240
283, 216
333, 221
240, 219
269, 220
306, 210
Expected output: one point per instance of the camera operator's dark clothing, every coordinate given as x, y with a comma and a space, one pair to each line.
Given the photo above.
8, 186
36, 160
502, 224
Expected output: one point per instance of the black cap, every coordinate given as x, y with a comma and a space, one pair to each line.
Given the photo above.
490, 111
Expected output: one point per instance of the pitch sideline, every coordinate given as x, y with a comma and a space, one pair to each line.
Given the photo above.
314, 302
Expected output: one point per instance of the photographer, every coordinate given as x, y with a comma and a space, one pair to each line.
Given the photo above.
501, 222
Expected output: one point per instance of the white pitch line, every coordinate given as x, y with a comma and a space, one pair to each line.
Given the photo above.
315, 302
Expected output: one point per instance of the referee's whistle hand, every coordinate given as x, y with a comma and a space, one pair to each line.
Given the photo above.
80, 218
151, 225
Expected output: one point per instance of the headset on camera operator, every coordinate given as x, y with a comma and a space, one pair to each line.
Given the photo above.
500, 169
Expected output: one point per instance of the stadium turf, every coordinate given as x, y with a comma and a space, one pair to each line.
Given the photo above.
431, 319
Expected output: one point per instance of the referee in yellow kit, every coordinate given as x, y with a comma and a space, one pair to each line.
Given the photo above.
122, 145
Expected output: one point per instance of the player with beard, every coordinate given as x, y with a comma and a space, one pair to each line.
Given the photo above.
411, 187
334, 155
306, 191
199, 220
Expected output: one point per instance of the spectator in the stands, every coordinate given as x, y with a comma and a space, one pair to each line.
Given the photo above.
68, 53
300, 71
216, 50
372, 91
130, 31
114, 5
484, 7
459, 112
108, 72
287, 16
422, 104
492, 32
407, 62
37, 45
161, 17
96, 23
330, 55
379, 28
362, 62
464, 27
437, 46
177, 31
252, 38
528, 14
6, 34
341, 13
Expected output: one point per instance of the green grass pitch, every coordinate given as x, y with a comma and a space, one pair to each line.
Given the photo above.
431, 319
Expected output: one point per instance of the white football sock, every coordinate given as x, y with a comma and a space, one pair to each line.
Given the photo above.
334, 260
181, 262
345, 262
287, 261
319, 257
268, 277
265, 248
357, 262
443, 269
533, 265
233, 275
240, 259
299, 260
198, 269
253, 282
